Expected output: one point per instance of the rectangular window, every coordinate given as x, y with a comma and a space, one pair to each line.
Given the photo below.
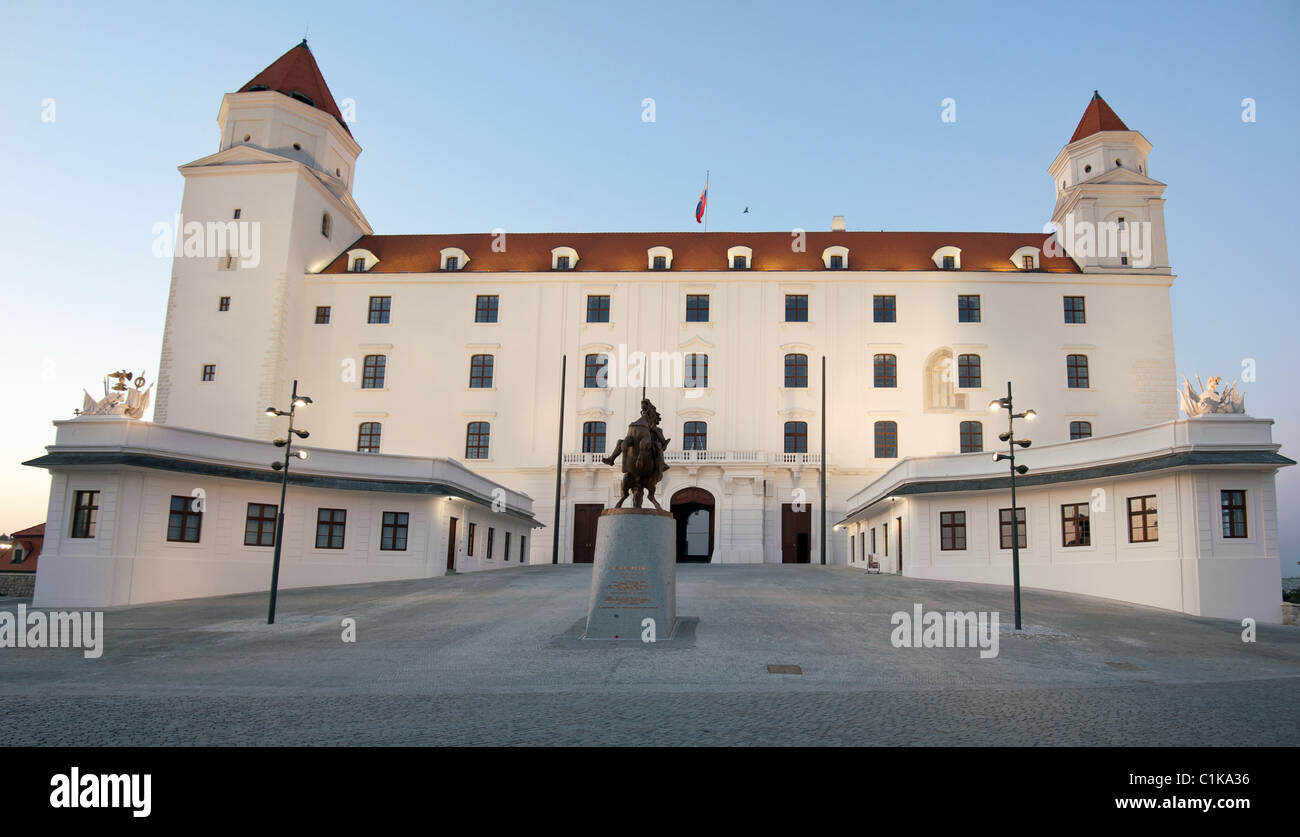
368, 436
597, 309
485, 308
1004, 528
886, 440
523, 549
1076, 371
595, 374
238, 212
380, 307
209, 372
1142, 519
971, 436
480, 371
738, 263
884, 309
1074, 311
1233, 506
1075, 528
1080, 430
796, 308
359, 264
330, 524
477, 439
453, 263
492, 533
697, 308
259, 525
322, 315
561, 262
952, 530
85, 514
506, 556
837, 262
873, 540
1027, 262
885, 370
697, 371
184, 520
968, 308
949, 262
695, 435
223, 304
373, 371
796, 371
660, 263
796, 437
593, 437
968, 371
469, 542
392, 533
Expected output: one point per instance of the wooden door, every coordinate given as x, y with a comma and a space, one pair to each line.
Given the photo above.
796, 534
585, 516
451, 546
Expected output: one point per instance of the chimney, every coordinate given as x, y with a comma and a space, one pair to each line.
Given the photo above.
837, 224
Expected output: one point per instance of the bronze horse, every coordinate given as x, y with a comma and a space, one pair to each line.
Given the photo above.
642, 450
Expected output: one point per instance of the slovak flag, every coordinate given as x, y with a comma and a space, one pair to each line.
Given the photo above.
699, 207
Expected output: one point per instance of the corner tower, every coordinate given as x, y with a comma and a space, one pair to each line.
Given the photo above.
1109, 211
274, 203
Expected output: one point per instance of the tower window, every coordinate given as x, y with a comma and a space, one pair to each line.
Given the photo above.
697, 308
697, 371
1076, 371
480, 371
968, 371
886, 440
373, 371
380, 309
322, 315
238, 212
223, 304
595, 372
796, 437
885, 371
485, 308
209, 372
968, 306
695, 436
796, 308
598, 308
477, 437
796, 371
368, 435
1074, 311
326, 224
1232, 504
884, 309
972, 436
1080, 430
1087, 169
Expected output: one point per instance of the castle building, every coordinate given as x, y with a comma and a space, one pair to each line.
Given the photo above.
777, 360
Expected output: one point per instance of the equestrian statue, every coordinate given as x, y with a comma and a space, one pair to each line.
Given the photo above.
642, 450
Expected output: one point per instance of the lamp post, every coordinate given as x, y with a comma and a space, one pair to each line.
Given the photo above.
1012, 442
295, 401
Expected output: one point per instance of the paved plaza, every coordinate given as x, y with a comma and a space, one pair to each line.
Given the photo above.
495, 658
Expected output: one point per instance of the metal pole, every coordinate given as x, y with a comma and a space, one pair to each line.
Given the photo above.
559, 465
279, 518
822, 470
1015, 515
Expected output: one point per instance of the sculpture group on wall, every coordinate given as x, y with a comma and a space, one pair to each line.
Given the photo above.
119, 399
1204, 399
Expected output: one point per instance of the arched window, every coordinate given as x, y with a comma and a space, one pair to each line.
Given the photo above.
972, 436
796, 437
886, 440
695, 436
477, 436
697, 371
480, 371
326, 224
595, 371
796, 371
1080, 430
368, 436
1076, 371
373, 370
968, 371
593, 437
885, 370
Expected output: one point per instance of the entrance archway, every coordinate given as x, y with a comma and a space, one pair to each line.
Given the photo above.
692, 509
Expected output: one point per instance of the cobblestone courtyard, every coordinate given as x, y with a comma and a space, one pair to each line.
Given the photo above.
493, 658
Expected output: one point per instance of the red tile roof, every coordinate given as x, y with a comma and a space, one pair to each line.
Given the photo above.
622, 251
38, 530
1096, 118
31, 540
296, 72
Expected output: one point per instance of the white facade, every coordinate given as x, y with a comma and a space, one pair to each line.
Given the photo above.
269, 334
946, 513
134, 552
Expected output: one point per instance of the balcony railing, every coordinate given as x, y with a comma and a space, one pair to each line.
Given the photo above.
711, 457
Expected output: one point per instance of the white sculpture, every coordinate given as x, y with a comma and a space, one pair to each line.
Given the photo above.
118, 400
1208, 400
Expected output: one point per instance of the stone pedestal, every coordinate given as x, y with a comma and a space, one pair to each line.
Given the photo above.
634, 575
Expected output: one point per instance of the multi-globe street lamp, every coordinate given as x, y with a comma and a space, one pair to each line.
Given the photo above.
1009, 436
295, 401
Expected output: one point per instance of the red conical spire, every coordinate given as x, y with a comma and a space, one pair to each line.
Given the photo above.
1098, 117
296, 75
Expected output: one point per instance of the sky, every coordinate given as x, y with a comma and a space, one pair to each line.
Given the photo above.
529, 117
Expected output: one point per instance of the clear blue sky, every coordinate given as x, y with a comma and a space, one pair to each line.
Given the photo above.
527, 116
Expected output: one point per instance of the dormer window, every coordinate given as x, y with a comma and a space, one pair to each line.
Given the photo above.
740, 258
1025, 258
660, 258
256, 88
326, 224
453, 259
947, 258
359, 265
835, 258
302, 97
563, 258
361, 260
